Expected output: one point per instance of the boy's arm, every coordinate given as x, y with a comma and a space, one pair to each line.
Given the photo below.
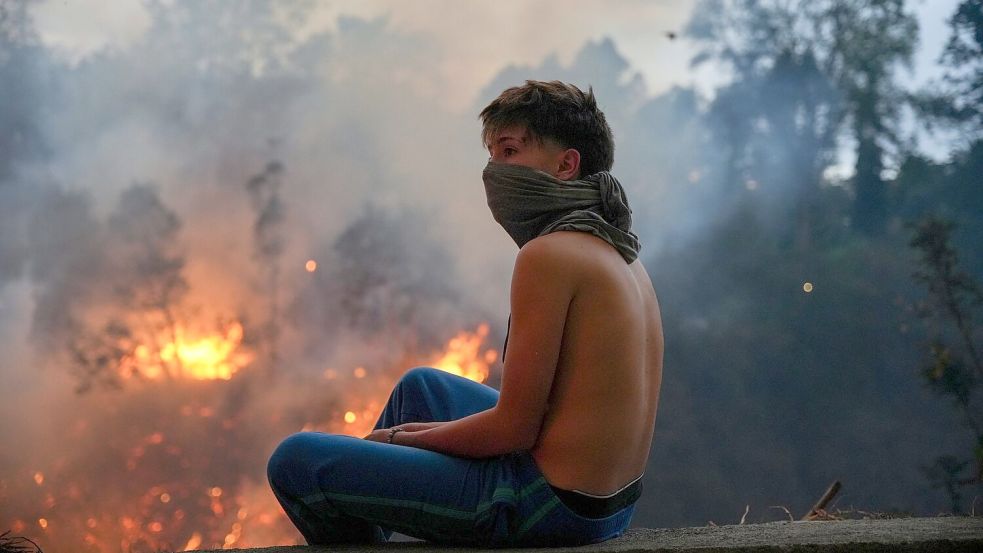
542, 289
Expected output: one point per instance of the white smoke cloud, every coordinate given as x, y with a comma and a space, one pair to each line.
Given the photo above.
76, 31
471, 41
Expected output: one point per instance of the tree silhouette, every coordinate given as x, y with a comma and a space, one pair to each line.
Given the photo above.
955, 369
855, 45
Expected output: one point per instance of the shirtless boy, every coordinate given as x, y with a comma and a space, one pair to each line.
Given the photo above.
556, 457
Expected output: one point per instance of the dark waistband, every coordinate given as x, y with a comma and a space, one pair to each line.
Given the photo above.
599, 507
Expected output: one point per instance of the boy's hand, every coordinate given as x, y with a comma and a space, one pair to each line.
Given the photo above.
382, 435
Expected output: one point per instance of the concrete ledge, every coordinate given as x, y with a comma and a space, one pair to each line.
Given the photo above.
907, 535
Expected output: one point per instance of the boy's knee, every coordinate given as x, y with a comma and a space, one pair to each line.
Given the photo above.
286, 455
417, 375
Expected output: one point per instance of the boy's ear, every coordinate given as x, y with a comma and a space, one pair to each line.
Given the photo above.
569, 168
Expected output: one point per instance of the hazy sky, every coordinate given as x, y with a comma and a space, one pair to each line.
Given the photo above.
480, 38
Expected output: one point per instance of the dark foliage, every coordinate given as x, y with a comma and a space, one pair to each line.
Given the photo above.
958, 99
953, 371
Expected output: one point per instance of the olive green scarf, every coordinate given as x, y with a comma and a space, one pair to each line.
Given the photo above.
530, 203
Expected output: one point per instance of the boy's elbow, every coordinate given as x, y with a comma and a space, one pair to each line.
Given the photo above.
514, 442
526, 436
528, 443
521, 433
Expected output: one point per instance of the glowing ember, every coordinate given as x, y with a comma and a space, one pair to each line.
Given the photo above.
349, 417
462, 355
359, 372
39, 478
310, 266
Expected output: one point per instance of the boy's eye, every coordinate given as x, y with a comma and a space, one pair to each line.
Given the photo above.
508, 152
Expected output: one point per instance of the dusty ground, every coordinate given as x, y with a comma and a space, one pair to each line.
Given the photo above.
922, 535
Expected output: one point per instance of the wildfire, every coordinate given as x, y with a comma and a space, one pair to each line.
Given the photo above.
189, 481
463, 355
214, 357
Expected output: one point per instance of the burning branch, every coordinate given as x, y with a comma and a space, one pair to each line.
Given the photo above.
17, 544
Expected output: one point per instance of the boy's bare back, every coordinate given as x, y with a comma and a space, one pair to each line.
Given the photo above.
599, 424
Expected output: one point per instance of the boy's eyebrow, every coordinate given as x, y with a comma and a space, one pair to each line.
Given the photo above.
501, 139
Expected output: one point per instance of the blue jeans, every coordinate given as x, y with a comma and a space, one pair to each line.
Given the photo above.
340, 489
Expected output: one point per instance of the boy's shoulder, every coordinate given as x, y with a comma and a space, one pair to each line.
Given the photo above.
569, 246
570, 253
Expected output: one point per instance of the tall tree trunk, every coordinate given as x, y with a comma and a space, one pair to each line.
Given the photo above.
869, 208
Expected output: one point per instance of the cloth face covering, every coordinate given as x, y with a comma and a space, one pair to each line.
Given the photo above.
530, 203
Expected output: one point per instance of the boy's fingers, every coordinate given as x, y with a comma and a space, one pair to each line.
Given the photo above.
380, 435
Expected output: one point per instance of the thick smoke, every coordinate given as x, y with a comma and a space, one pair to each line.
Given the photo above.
123, 450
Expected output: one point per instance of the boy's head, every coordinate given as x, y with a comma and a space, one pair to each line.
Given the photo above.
551, 126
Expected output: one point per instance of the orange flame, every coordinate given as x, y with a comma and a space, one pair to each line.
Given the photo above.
193, 542
214, 357
463, 355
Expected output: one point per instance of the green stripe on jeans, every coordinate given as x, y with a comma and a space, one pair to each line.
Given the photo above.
499, 493
538, 515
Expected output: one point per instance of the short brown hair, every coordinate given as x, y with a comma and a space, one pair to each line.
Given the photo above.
558, 111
